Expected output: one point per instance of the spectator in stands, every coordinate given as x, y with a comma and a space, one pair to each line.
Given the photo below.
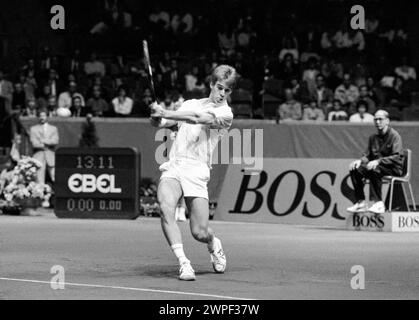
358, 40
290, 109
337, 114
31, 109
56, 64
309, 54
43, 97
44, 138
94, 66
310, 74
186, 22
168, 103
175, 21
65, 99
375, 91
227, 41
115, 19
163, 18
326, 41
54, 83
342, 40
371, 24
332, 70
191, 78
122, 104
177, 99
383, 157
172, 78
299, 89
19, 98
30, 85
396, 95
45, 64
119, 67
144, 103
405, 71
30, 67
321, 94
312, 112
14, 156
6, 91
104, 90
6, 126
52, 107
164, 64
193, 81
75, 64
245, 37
347, 93
362, 116
289, 47
288, 69
77, 109
97, 105
366, 96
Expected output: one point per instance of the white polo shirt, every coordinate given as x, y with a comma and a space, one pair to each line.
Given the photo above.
198, 141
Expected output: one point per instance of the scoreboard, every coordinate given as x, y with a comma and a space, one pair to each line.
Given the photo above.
97, 183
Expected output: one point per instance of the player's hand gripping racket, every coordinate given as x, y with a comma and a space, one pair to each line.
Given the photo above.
147, 62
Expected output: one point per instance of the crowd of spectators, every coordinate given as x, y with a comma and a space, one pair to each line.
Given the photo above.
315, 71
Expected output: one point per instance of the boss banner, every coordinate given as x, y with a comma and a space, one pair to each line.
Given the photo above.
293, 191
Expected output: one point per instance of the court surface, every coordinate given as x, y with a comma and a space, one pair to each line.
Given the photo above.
106, 259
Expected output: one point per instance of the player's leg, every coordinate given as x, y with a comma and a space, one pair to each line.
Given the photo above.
168, 193
199, 220
357, 177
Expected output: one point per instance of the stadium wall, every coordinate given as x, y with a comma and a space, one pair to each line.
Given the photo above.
320, 153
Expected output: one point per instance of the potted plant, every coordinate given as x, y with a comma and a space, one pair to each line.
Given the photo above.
22, 193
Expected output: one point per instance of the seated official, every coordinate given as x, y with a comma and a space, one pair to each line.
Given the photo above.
383, 157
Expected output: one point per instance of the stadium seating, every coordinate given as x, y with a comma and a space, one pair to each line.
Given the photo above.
246, 84
273, 87
241, 102
270, 106
394, 113
410, 114
415, 99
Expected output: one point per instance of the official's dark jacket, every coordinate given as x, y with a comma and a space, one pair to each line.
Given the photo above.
387, 149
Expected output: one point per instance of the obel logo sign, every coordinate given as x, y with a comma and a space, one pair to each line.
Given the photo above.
89, 183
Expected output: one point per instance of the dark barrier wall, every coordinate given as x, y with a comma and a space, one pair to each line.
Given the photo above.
286, 140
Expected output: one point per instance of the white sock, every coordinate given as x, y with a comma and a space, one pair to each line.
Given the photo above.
179, 253
211, 245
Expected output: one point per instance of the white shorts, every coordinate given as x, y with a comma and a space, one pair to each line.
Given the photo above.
193, 176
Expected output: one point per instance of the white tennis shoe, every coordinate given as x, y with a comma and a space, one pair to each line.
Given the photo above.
218, 258
360, 206
186, 272
378, 208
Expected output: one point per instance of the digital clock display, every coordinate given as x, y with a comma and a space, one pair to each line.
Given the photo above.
97, 183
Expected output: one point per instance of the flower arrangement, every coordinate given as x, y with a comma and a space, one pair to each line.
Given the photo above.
148, 198
22, 188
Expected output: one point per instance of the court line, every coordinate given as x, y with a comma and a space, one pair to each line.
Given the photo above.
129, 288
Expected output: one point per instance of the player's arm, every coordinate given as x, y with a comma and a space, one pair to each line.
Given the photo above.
190, 116
162, 123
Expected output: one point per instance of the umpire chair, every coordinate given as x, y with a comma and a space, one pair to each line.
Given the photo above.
405, 179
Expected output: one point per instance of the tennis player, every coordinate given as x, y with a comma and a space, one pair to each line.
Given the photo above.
201, 125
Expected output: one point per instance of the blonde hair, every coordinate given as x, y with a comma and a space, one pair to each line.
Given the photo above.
224, 73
